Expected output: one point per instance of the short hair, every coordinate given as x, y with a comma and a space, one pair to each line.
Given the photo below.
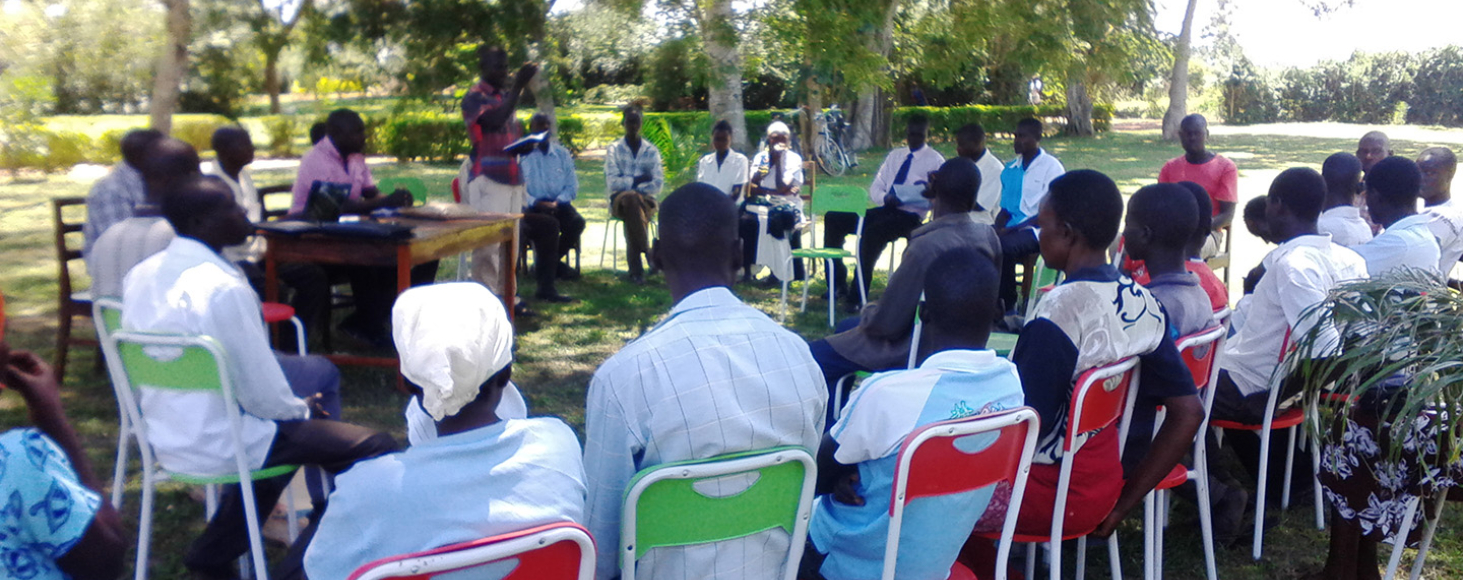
628, 110
970, 134
1255, 209
169, 159
539, 115
1205, 206
1397, 181
722, 126
696, 218
1342, 172
1194, 118
228, 136
341, 120
1168, 210
1031, 124
917, 121
317, 132
1090, 202
191, 197
962, 287
1442, 154
1301, 190
135, 144
957, 183
485, 50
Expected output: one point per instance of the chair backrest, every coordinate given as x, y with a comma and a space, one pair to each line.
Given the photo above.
1200, 352
844, 198
561, 551
279, 190
415, 185
663, 507
931, 463
1042, 279
1099, 400
65, 251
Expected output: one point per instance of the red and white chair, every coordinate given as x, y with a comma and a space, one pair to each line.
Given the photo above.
1099, 401
560, 551
1200, 352
932, 464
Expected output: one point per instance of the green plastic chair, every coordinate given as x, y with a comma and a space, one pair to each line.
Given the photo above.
663, 509
415, 185
842, 198
1042, 277
200, 366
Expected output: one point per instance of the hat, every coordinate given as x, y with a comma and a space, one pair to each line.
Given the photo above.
451, 338
778, 127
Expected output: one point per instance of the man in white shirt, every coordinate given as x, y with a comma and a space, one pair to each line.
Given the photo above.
970, 144
483, 474
1391, 193
310, 285
190, 288
897, 191
126, 243
1299, 274
1024, 185
1438, 166
1342, 218
715, 377
777, 180
723, 168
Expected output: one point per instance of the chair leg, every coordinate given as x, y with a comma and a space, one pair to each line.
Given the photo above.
1031, 550
603, 244
1260, 490
1149, 536
63, 343
1316, 485
251, 523
1115, 563
119, 472
299, 335
1081, 548
1206, 516
1289, 468
782, 317
292, 519
144, 526
832, 291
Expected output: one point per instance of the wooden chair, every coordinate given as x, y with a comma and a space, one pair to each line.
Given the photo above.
1221, 260
69, 302
265, 192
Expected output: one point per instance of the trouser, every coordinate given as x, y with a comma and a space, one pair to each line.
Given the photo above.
309, 376
543, 231
484, 194
882, 225
636, 210
374, 290
332, 445
1016, 246
1231, 405
835, 366
749, 228
311, 298
571, 225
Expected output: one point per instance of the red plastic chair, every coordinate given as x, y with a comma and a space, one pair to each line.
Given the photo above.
930, 464
1099, 400
560, 551
275, 312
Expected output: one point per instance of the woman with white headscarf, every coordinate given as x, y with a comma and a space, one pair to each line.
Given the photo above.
477, 474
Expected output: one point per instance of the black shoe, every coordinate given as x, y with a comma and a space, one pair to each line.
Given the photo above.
852, 306
567, 273
555, 298
1229, 516
520, 310
769, 282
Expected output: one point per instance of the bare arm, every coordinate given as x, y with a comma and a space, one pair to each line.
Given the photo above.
1225, 215
1173, 440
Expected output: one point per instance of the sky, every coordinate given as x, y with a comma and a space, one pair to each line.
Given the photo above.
1278, 33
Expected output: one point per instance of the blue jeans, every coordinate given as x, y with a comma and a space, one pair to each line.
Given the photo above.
834, 365
307, 376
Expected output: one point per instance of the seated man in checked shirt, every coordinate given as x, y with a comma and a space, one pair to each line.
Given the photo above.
716, 377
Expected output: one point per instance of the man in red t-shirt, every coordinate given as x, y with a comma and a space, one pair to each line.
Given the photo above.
1214, 172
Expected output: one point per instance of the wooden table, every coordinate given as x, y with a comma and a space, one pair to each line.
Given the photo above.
431, 240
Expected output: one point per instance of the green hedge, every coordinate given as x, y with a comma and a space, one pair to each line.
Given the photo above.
945, 121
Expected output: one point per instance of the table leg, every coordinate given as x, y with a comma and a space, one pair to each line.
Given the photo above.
403, 269
510, 269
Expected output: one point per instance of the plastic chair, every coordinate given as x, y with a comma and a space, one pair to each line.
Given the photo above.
1043, 279
1290, 420
841, 198
1200, 352
1221, 260
662, 507
69, 302
931, 464
560, 551
614, 228
200, 367
1099, 400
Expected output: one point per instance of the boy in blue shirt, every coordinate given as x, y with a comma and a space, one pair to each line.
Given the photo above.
957, 377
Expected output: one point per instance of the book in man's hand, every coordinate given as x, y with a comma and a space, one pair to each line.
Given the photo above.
525, 145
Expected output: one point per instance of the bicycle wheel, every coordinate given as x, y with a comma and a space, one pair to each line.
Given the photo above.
831, 158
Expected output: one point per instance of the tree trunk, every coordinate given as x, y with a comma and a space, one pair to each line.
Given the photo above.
171, 66
1079, 103
724, 97
812, 104
1178, 83
861, 119
543, 98
865, 127
271, 75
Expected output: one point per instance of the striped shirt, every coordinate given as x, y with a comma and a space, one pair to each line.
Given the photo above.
622, 166
716, 377
114, 198
123, 246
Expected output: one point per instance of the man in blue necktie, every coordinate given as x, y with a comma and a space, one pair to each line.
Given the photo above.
897, 191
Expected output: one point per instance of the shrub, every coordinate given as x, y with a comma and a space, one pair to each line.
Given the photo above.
280, 132
571, 133
612, 94
945, 121
65, 149
109, 146
199, 132
429, 136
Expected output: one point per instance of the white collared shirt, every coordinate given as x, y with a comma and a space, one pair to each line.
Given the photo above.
926, 160
1035, 180
120, 248
189, 289
730, 173
1345, 225
792, 169
1298, 275
716, 377
248, 198
1407, 243
1447, 226
989, 195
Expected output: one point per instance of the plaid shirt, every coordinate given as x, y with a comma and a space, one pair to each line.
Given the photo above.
622, 166
114, 198
716, 377
487, 153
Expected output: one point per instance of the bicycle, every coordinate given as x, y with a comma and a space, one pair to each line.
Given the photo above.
832, 155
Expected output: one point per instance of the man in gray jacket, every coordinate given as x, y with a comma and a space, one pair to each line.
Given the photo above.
879, 339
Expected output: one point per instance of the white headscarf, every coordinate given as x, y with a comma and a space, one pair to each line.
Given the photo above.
778, 127
451, 338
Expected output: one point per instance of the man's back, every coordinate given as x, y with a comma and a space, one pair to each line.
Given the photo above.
1345, 226
715, 377
1407, 243
121, 247
505, 477
881, 413
112, 199
1188, 306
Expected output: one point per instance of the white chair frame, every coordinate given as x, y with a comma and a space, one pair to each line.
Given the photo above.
478, 555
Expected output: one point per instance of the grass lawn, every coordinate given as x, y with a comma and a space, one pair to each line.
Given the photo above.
559, 349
